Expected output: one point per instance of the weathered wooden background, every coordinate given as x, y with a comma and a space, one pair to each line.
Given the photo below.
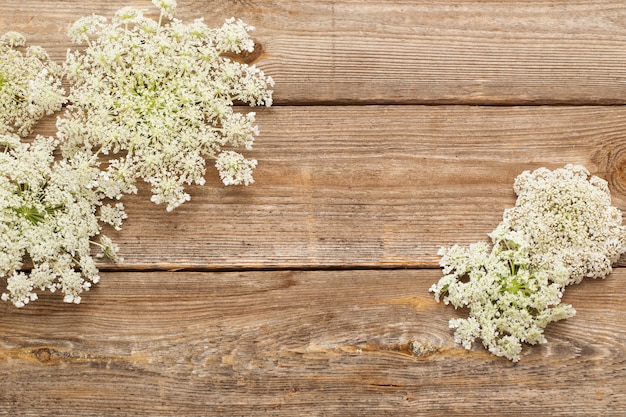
398, 127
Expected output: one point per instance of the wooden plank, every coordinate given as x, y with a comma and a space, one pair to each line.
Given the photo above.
370, 186
291, 343
373, 51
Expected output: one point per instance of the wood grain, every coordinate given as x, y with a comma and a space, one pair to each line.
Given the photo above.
370, 186
306, 293
373, 51
341, 343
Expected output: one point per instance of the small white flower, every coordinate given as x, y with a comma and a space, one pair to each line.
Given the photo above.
128, 15
160, 98
234, 169
113, 215
13, 39
48, 214
30, 85
20, 290
233, 37
167, 7
83, 28
109, 250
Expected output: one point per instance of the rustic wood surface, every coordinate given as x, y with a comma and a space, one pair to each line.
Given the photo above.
306, 293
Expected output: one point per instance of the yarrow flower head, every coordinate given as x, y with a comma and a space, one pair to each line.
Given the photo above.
567, 216
49, 214
562, 229
159, 99
30, 85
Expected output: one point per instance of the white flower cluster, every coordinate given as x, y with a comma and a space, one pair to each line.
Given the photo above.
567, 216
30, 85
157, 99
510, 302
562, 228
48, 213
167, 7
160, 99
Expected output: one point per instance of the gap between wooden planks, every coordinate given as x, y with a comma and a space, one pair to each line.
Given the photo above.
283, 343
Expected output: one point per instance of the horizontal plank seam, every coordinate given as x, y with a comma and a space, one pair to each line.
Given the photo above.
438, 103
298, 268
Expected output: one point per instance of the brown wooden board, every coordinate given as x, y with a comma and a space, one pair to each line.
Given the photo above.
369, 51
340, 343
370, 186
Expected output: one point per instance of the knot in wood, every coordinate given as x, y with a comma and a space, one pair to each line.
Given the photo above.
620, 173
245, 56
43, 355
612, 167
250, 57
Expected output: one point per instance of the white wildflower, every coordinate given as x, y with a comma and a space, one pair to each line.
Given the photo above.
20, 290
562, 229
159, 98
109, 250
233, 37
48, 213
83, 28
13, 39
167, 7
113, 215
128, 15
568, 218
30, 85
234, 169
509, 303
